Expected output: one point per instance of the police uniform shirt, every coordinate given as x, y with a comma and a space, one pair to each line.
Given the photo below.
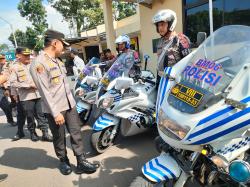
5, 71
21, 79
50, 78
177, 50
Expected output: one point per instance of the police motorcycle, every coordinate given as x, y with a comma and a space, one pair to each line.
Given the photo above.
86, 87
203, 116
129, 103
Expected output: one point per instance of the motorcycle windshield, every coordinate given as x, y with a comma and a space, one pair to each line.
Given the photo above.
211, 69
121, 66
88, 70
216, 63
93, 61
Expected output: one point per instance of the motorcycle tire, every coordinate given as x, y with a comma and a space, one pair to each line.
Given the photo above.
99, 143
140, 181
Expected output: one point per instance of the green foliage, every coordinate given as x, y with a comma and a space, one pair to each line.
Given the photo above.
33, 11
4, 47
85, 13
20, 38
123, 9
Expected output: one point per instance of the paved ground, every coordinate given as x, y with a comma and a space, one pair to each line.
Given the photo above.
30, 164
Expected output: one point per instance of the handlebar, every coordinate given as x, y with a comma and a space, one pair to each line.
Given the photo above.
148, 81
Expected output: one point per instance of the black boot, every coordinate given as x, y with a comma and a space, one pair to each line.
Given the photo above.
83, 166
12, 123
18, 136
33, 136
65, 167
3, 177
46, 137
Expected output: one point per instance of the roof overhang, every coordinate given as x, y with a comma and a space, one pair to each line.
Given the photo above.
147, 3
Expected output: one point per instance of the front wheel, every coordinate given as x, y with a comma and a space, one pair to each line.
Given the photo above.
141, 182
102, 140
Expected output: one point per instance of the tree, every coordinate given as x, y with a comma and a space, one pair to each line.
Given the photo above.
34, 11
123, 9
87, 14
20, 38
4, 47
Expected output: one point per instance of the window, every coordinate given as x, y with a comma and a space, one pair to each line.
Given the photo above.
225, 12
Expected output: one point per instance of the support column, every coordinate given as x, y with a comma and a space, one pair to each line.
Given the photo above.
109, 27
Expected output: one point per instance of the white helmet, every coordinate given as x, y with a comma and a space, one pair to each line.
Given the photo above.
123, 39
166, 15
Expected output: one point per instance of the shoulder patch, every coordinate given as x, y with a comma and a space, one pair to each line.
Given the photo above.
39, 68
183, 40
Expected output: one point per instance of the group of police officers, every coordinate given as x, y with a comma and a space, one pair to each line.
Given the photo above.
41, 91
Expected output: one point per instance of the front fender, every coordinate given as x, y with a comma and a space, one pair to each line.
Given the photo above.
104, 121
161, 168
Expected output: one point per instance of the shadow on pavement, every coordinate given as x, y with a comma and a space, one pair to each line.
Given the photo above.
27, 158
115, 171
8, 132
119, 171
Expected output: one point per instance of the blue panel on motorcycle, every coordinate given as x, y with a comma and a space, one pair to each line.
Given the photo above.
239, 171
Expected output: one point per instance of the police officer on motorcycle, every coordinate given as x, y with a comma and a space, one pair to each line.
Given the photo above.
123, 46
172, 47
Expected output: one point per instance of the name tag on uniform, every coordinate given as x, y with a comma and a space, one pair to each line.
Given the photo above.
55, 74
21, 75
55, 80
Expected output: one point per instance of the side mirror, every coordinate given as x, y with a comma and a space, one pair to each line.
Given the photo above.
91, 80
123, 83
201, 37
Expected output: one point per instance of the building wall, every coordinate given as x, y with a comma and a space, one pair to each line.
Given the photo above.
148, 31
128, 25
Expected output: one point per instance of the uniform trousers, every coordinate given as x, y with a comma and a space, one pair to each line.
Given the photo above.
72, 124
33, 110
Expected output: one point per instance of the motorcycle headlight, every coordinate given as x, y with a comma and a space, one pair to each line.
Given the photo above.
220, 161
107, 102
169, 126
239, 171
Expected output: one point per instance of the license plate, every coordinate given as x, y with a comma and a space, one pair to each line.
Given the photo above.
187, 95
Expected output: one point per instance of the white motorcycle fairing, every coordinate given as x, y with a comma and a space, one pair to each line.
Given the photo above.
104, 121
161, 168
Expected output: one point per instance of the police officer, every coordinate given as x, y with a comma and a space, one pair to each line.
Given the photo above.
123, 46
49, 74
21, 115
29, 95
172, 47
4, 103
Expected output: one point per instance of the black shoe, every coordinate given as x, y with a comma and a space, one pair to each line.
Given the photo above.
46, 137
34, 137
65, 167
12, 123
3, 177
18, 136
84, 166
